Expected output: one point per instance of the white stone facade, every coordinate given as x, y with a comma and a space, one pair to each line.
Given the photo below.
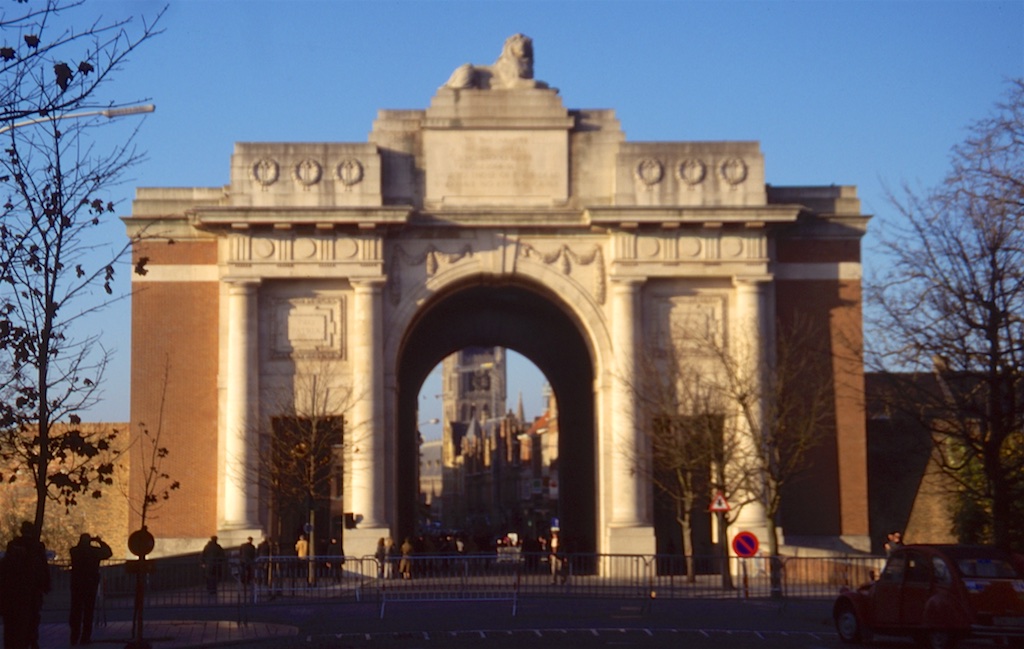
328, 255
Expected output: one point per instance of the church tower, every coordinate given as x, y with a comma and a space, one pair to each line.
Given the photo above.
474, 385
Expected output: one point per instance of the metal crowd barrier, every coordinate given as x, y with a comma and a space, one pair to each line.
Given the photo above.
500, 577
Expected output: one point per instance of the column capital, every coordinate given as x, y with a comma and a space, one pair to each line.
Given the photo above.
242, 283
752, 281
627, 282
368, 283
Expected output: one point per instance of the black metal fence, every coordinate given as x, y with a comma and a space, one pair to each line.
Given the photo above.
503, 577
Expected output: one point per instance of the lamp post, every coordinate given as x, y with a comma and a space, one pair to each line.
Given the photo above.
109, 113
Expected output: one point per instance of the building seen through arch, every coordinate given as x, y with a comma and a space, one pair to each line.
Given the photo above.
488, 477
495, 217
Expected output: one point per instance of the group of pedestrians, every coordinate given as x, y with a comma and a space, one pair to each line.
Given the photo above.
213, 561
25, 580
388, 558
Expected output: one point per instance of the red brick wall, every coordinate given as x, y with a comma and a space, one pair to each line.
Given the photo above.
831, 497
174, 333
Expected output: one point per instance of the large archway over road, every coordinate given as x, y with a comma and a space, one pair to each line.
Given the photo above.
493, 216
530, 320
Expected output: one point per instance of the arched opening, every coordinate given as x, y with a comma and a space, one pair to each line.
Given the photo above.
529, 320
488, 425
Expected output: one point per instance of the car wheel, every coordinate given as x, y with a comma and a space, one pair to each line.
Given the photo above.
848, 626
937, 639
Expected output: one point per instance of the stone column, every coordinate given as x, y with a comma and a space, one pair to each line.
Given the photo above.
366, 433
240, 499
752, 341
628, 501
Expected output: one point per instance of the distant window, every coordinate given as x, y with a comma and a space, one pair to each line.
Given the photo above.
991, 568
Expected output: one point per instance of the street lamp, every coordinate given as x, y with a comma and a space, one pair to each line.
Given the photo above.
109, 113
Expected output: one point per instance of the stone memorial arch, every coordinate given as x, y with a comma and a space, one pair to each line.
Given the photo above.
496, 216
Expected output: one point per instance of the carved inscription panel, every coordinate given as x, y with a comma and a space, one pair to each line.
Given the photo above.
695, 324
496, 167
309, 328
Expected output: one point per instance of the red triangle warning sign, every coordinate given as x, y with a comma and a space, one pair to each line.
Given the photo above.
719, 503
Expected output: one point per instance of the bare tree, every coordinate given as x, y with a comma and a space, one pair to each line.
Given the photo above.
783, 401
765, 405
689, 450
951, 301
152, 481
302, 445
51, 267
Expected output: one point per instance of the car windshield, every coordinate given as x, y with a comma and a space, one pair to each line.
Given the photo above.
991, 568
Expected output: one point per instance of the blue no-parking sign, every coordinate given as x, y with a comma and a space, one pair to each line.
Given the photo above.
745, 545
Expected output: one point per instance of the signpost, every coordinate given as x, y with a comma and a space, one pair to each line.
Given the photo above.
719, 504
745, 545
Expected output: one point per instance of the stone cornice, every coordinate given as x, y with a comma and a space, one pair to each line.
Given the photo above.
477, 217
813, 226
491, 123
625, 216
320, 217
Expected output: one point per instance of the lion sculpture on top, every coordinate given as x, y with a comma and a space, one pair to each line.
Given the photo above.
513, 69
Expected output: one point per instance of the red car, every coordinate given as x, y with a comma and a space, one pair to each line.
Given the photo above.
939, 595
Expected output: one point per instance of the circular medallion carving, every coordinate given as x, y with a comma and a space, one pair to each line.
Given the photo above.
648, 247
650, 171
689, 247
263, 248
265, 171
308, 172
734, 171
346, 248
304, 249
349, 172
692, 171
732, 248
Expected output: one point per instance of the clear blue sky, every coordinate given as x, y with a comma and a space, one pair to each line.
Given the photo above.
871, 94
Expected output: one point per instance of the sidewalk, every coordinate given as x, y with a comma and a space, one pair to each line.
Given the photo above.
163, 634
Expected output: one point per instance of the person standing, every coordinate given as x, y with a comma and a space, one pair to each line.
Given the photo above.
85, 580
381, 555
389, 558
246, 560
302, 565
212, 563
24, 581
405, 566
336, 559
555, 557
266, 569
894, 540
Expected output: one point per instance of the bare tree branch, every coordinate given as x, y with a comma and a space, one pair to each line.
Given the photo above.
952, 303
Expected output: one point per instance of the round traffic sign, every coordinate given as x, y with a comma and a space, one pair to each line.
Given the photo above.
745, 544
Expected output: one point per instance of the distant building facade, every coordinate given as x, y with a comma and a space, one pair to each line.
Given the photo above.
495, 217
473, 384
488, 478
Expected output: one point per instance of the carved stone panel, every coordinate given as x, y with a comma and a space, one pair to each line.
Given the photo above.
496, 167
695, 324
569, 261
308, 328
296, 248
